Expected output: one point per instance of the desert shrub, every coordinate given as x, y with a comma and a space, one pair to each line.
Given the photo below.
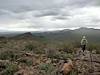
97, 51
8, 55
29, 62
93, 46
96, 47
3, 44
39, 51
3, 64
76, 44
30, 47
26, 61
73, 72
34, 48
10, 69
51, 53
68, 48
65, 56
58, 55
49, 69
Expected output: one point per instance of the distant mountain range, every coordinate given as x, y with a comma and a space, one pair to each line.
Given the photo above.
93, 35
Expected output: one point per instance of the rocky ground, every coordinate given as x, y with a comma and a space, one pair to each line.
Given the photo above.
38, 64
27, 57
88, 63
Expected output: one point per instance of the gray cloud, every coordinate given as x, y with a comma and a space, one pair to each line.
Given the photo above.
48, 14
96, 2
28, 5
52, 12
60, 17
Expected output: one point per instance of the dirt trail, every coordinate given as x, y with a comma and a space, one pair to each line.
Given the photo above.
87, 63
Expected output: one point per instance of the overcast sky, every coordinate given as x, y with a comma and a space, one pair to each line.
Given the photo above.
43, 15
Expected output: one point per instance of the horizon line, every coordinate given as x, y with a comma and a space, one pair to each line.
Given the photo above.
42, 29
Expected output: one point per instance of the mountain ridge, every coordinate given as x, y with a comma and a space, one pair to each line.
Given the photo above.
64, 35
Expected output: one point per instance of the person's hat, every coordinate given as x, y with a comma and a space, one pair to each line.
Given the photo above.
84, 37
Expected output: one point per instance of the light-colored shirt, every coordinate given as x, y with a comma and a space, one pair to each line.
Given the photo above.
84, 41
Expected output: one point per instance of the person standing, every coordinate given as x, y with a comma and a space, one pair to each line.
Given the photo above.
84, 43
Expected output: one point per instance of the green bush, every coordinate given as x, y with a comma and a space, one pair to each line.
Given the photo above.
10, 69
97, 51
51, 53
68, 48
30, 47
34, 48
26, 61
39, 51
49, 69
96, 47
65, 56
73, 72
58, 54
8, 55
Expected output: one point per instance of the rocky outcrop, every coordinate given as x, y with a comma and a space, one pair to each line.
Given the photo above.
3, 64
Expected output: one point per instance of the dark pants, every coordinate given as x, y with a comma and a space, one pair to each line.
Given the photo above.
83, 47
